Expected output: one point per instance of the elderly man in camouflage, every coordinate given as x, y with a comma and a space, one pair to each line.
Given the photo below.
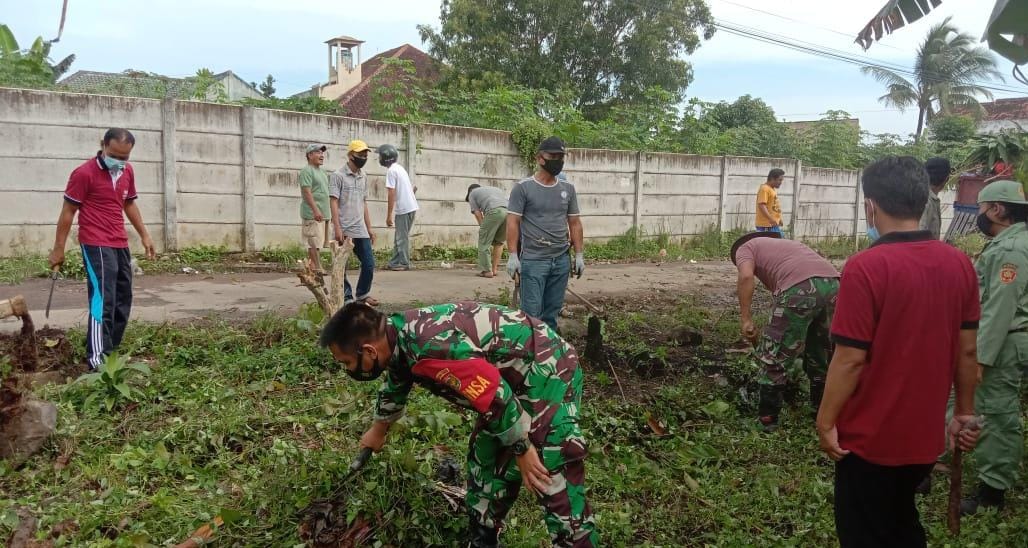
805, 287
515, 371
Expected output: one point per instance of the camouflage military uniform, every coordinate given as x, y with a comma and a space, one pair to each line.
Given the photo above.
799, 327
523, 379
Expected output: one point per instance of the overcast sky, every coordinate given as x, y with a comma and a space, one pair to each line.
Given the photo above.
254, 38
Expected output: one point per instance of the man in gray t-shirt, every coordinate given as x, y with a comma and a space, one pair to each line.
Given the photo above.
348, 193
489, 206
542, 223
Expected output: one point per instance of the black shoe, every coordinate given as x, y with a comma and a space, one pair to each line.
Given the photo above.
984, 497
771, 400
482, 536
769, 423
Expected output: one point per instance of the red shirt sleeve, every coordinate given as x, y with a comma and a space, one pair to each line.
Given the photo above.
131, 174
854, 321
972, 311
78, 187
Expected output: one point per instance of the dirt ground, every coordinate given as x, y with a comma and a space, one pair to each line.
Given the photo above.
183, 296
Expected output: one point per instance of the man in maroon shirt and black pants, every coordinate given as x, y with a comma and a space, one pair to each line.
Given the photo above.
99, 191
904, 328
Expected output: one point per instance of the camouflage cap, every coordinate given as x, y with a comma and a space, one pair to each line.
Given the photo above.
1011, 192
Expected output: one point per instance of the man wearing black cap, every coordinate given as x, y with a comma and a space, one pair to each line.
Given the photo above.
805, 287
938, 173
542, 224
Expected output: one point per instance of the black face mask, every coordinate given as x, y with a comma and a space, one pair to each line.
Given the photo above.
984, 224
553, 167
360, 374
358, 161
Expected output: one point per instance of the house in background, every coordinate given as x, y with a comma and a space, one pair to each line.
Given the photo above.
352, 83
144, 84
1004, 114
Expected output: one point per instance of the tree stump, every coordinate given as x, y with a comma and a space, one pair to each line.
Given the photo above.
330, 296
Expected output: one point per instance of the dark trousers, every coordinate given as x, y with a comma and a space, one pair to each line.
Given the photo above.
109, 286
366, 256
874, 504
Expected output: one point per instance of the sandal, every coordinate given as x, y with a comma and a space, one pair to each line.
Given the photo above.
485, 274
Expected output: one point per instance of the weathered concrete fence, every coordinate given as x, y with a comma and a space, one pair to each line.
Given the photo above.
226, 175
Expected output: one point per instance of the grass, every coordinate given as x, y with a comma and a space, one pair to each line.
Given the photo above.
252, 422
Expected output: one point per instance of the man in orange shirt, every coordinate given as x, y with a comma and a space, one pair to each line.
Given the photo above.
769, 209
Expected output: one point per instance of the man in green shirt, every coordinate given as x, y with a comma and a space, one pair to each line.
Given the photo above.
314, 204
1002, 340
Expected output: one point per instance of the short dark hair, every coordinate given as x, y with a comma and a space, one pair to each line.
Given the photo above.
775, 173
938, 171
350, 327
1014, 213
472, 186
898, 185
121, 135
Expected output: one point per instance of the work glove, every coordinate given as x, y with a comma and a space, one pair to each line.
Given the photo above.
579, 265
513, 265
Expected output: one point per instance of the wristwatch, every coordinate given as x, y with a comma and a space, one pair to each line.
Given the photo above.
520, 447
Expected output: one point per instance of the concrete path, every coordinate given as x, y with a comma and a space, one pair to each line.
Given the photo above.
176, 297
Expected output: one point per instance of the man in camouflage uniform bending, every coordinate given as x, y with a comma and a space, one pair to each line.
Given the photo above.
515, 371
805, 287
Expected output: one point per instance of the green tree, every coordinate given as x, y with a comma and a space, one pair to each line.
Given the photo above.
30, 68
206, 88
605, 52
951, 132
947, 69
398, 94
746, 111
267, 87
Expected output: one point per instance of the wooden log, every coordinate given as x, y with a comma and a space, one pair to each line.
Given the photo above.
15, 306
329, 298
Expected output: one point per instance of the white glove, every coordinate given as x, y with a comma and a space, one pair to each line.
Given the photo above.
513, 265
579, 265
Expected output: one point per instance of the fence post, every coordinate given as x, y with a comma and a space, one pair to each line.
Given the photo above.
170, 188
412, 150
249, 181
797, 180
637, 211
723, 193
857, 202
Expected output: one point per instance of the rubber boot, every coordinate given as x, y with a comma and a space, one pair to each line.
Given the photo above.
770, 406
925, 486
817, 391
482, 536
984, 497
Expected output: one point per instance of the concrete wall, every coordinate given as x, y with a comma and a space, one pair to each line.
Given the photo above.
226, 175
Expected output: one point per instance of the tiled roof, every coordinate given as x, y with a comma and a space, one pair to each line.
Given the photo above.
1015, 108
357, 101
89, 81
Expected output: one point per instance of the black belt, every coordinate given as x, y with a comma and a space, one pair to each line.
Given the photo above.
1018, 330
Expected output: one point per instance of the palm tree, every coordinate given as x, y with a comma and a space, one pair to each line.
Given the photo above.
946, 74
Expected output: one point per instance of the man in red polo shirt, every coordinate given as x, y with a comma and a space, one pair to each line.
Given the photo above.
904, 328
99, 191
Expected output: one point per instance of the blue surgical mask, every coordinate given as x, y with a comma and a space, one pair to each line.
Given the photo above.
872, 230
114, 163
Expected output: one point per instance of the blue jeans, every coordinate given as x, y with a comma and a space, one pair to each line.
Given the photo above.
362, 249
543, 283
777, 229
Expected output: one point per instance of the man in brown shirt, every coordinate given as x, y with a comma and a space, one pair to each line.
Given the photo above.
804, 286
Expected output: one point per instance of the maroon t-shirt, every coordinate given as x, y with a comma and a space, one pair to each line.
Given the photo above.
101, 200
904, 300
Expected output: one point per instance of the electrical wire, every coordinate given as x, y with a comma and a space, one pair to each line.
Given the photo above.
832, 54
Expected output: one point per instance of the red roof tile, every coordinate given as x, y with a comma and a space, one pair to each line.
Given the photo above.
357, 101
1014, 108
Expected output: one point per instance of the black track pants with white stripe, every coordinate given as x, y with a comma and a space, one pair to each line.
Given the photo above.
109, 282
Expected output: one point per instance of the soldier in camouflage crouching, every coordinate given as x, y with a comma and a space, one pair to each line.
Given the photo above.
805, 287
513, 370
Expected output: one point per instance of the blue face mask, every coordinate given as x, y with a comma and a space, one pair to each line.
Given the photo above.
114, 163
872, 230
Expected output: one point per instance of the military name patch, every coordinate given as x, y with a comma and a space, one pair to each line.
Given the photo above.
1008, 273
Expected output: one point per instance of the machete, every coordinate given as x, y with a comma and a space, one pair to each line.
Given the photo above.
54, 273
956, 473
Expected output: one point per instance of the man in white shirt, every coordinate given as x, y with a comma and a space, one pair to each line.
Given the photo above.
402, 206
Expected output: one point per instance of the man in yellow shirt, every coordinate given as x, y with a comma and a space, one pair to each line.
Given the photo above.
769, 209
